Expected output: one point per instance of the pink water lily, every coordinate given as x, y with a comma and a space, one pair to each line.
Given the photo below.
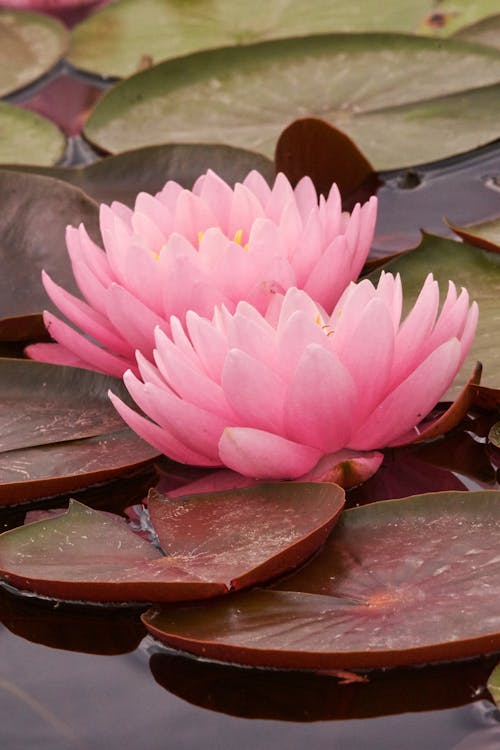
271, 396
192, 250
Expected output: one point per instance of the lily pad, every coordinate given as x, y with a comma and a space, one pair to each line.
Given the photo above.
486, 31
131, 34
212, 543
475, 269
246, 96
30, 45
123, 176
494, 435
399, 582
485, 235
27, 138
59, 431
35, 212
43, 404
494, 685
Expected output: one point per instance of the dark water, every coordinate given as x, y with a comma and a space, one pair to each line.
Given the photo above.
60, 700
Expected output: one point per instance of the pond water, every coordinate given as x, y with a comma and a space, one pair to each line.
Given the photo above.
54, 699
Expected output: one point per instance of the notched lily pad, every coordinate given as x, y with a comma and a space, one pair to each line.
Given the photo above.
398, 582
212, 543
59, 432
485, 236
30, 44
34, 216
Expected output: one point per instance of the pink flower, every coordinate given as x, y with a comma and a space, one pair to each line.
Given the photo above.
66, 10
193, 250
271, 396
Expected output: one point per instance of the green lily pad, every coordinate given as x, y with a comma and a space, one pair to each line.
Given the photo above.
34, 216
212, 543
30, 44
123, 176
128, 35
246, 96
485, 235
398, 582
468, 266
494, 685
59, 432
486, 31
28, 138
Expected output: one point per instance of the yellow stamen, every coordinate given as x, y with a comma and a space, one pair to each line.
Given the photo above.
200, 236
238, 236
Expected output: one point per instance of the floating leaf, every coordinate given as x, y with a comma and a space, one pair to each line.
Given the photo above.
27, 138
494, 435
398, 582
245, 96
314, 148
30, 44
59, 431
123, 176
479, 272
212, 543
35, 212
132, 34
43, 404
494, 685
486, 31
486, 236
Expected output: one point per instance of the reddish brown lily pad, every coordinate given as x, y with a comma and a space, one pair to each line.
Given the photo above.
213, 543
59, 432
313, 147
34, 216
399, 582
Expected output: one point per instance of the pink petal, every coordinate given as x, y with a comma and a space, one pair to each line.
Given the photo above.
259, 187
262, 455
306, 197
159, 438
320, 400
97, 358
254, 391
80, 246
55, 354
347, 468
209, 343
132, 318
90, 321
328, 278
411, 401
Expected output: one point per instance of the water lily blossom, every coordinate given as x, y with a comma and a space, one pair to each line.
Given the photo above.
270, 396
196, 249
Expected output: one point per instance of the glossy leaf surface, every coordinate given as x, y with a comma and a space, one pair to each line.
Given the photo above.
27, 138
59, 431
494, 685
380, 593
212, 543
134, 33
486, 31
35, 212
30, 44
246, 96
475, 269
